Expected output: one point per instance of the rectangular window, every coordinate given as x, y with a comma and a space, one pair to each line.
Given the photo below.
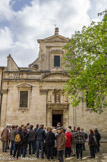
23, 98
56, 61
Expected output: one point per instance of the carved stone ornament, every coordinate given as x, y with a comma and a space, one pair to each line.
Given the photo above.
57, 51
35, 66
57, 98
42, 57
49, 98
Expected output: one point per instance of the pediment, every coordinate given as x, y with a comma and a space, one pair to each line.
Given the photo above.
55, 77
24, 85
55, 38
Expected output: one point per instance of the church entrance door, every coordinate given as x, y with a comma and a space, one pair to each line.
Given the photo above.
57, 116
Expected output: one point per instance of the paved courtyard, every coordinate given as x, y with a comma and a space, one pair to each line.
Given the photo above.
100, 157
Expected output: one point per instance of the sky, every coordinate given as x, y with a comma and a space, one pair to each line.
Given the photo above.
22, 22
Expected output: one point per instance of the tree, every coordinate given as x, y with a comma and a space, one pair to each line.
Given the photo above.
86, 64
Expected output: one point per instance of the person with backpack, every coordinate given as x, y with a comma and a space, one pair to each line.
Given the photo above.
18, 142
79, 143
92, 143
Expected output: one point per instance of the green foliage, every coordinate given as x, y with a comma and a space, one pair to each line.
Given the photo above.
86, 63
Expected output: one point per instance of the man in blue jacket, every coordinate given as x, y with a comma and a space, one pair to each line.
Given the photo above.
40, 137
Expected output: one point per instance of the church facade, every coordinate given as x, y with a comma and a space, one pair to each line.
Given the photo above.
34, 94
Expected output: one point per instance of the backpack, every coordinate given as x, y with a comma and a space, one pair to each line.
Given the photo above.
17, 138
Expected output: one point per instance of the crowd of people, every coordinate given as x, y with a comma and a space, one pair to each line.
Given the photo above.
49, 142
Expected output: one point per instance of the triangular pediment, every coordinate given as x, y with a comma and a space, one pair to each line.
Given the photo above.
55, 38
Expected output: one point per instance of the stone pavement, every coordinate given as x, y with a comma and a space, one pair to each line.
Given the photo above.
100, 157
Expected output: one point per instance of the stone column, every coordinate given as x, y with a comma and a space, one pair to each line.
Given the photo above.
66, 117
71, 115
49, 116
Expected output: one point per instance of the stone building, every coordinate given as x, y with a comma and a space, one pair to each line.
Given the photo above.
34, 94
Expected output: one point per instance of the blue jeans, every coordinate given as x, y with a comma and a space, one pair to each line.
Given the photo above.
35, 146
31, 144
40, 144
24, 152
12, 146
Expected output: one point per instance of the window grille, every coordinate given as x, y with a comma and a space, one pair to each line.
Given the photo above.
23, 98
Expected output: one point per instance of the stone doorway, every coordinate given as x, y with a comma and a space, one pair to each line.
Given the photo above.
57, 116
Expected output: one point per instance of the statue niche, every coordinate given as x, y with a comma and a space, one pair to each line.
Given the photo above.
57, 97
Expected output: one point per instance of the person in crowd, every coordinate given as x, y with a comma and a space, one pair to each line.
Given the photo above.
56, 141
22, 126
28, 126
18, 142
98, 138
73, 143
25, 141
68, 143
63, 129
9, 128
31, 140
92, 143
79, 143
70, 127
40, 136
58, 125
37, 126
17, 128
5, 138
12, 138
50, 142
46, 129
60, 144
84, 138
75, 129
55, 149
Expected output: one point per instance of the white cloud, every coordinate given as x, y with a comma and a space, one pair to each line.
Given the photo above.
5, 39
5, 10
37, 21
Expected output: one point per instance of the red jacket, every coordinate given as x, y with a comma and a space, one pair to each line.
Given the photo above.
68, 139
